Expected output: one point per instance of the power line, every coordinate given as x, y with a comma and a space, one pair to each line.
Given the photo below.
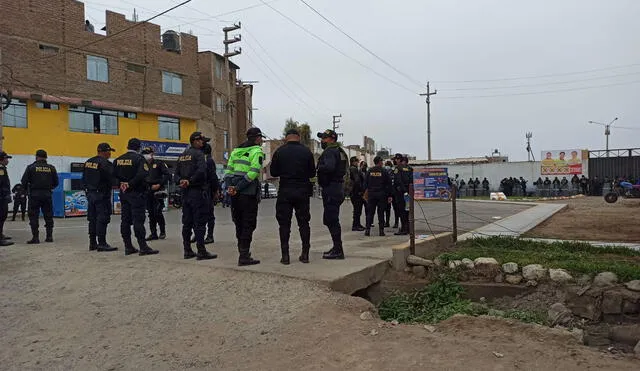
362, 46
336, 49
80, 48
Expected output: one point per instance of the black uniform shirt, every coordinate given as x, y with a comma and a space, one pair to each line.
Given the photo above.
98, 175
40, 176
212, 177
5, 185
158, 173
378, 182
192, 167
131, 168
294, 164
403, 176
332, 166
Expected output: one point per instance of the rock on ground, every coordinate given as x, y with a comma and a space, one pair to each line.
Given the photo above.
455, 264
510, 268
499, 278
559, 275
532, 283
486, 267
416, 260
559, 314
633, 285
605, 279
366, 316
534, 272
468, 263
513, 279
419, 270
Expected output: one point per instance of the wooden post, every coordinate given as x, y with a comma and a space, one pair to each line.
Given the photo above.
454, 212
412, 224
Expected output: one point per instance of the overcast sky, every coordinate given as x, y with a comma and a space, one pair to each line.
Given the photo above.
591, 47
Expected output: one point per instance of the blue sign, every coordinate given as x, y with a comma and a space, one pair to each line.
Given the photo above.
165, 150
430, 183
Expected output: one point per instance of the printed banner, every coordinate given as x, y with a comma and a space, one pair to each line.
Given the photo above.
117, 207
563, 162
430, 183
165, 150
75, 203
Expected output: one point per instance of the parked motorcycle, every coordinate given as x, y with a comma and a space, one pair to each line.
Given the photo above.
622, 189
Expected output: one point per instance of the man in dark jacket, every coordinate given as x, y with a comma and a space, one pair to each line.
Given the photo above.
293, 163
40, 179
213, 184
332, 167
357, 191
378, 188
5, 197
19, 200
157, 178
130, 170
403, 176
97, 178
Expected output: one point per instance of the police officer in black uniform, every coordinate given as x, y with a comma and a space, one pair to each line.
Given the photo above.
357, 191
5, 197
19, 200
40, 179
98, 181
213, 187
403, 176
130, 170
191, 176
157, 178
332, 167
295, 166
378, 189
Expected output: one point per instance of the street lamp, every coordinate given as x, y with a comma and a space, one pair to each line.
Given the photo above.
607, 131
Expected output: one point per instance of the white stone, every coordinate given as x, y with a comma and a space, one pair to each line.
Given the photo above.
559, 275
395, 322
430, 328
366, 316
633, 285
416, 260
455, 264
534, 272
419, 270
513, 279
487, 267
373, 332
468, 263
605, 279
510, 268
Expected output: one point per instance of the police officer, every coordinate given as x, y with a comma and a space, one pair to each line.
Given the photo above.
332, 167
402, 178
191, 176
378, 189
98, 180
241, 176
130, 170
294, 164
213, 187
40, 178
5, 197
157, 178
19, 200
388, 167
356, 192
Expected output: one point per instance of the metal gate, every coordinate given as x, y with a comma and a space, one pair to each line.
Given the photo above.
615, 163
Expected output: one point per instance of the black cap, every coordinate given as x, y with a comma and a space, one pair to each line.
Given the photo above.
4, 155
41, 153
105, 147
352, 159
134, 144
147, 150
328, 134
254, 133
196, 135
398, 156
292, 132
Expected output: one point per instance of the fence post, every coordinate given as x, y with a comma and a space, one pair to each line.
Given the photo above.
454, 213
412, 224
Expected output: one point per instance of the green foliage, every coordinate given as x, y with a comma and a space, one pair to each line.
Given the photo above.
304, 129
439, 301
575, 257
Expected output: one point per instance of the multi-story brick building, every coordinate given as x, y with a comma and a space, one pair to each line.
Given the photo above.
71, 88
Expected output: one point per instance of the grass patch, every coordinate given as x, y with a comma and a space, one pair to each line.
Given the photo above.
576, 257
441, 300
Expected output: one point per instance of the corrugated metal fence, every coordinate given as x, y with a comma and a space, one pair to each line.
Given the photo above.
615, 163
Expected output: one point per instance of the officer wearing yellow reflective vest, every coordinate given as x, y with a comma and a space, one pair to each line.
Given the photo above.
243, 184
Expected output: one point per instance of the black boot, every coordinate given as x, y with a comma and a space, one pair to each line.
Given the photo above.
129, 249
163, 233
209, 239
5, 243
357, 228
145, 249
285, 255
382, 232
49, 237
188, 252
3, 237
93, 245
304, 255
203, 254
245, 256
367, 232
35, 238
336, 252
153, 236
14, 218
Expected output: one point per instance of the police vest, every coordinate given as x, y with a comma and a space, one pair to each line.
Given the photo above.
246, 162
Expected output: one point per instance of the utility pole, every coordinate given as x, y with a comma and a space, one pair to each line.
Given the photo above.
607, 131
336, 121
428, 94
228, 55
529, 135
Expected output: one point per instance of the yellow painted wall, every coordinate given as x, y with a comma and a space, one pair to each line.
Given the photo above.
49, 130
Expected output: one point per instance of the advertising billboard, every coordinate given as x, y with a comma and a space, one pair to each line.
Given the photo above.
75, 203
168, 151
562, 162
430, 182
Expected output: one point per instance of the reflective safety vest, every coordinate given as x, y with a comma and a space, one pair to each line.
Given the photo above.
246, 162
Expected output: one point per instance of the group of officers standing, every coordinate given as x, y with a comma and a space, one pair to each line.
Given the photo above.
141, 180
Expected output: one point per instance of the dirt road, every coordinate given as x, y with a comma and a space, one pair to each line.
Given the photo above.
71, 309
592, 219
